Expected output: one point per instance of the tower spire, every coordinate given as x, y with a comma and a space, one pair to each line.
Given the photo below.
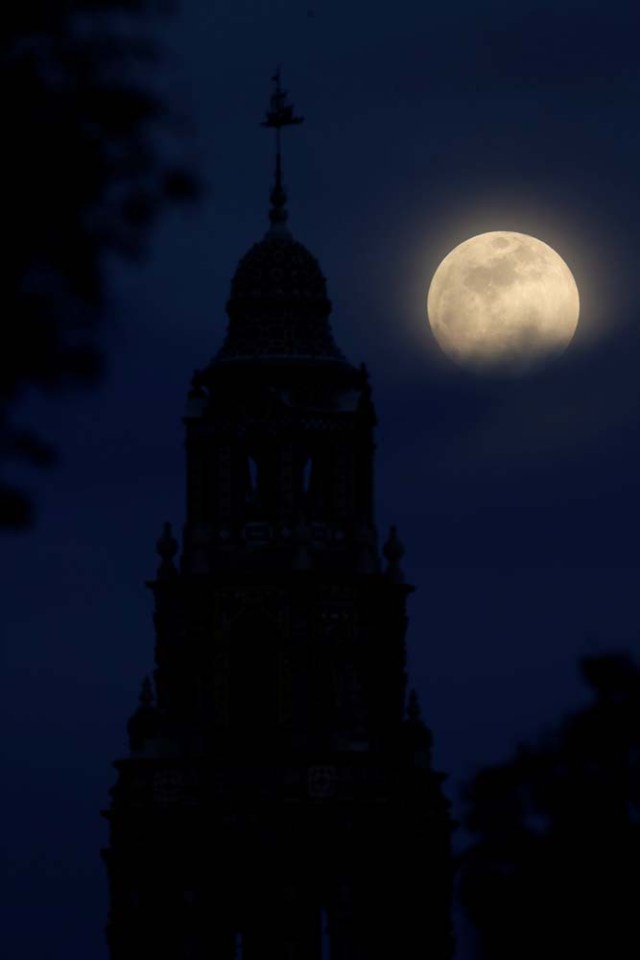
280, 114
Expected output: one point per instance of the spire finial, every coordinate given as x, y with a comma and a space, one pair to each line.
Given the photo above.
279, 115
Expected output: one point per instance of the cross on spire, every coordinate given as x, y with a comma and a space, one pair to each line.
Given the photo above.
280, 114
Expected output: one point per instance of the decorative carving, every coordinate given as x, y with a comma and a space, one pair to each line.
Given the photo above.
321, 782
197, 397
337, 620
265, 602
167, 548
168, 787
257, 532
143, 724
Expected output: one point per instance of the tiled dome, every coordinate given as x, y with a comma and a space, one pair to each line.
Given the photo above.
278, 304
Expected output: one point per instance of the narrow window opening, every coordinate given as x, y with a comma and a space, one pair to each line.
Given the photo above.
239, 947
324, 934
253, 475
306, 475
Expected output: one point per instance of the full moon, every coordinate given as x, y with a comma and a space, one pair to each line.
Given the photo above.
503, 302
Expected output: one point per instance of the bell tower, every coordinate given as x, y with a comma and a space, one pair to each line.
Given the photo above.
279, 798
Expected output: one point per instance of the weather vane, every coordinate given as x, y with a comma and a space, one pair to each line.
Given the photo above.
280, 114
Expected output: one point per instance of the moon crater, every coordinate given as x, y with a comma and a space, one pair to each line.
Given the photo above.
503, 301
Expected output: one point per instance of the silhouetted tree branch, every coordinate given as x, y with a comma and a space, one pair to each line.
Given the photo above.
83, 177
553, 868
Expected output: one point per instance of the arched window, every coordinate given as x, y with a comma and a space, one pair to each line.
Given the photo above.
325, 938
252, 473
306, 475
239, 947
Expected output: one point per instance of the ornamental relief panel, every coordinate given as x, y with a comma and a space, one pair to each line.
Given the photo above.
321, 782
168, 787
336, 622
336, 593
266, 603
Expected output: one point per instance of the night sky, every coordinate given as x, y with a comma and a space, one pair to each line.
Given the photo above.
517, 500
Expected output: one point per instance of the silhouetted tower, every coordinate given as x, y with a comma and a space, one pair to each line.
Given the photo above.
279, 799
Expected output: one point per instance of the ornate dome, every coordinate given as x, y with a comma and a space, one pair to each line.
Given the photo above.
279, 268
278, 304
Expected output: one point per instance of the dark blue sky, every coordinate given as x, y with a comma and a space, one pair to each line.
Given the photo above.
517, 500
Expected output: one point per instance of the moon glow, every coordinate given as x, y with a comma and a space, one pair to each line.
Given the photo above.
503, 301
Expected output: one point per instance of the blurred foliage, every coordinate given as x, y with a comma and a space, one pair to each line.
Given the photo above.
553, 867
84, 176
